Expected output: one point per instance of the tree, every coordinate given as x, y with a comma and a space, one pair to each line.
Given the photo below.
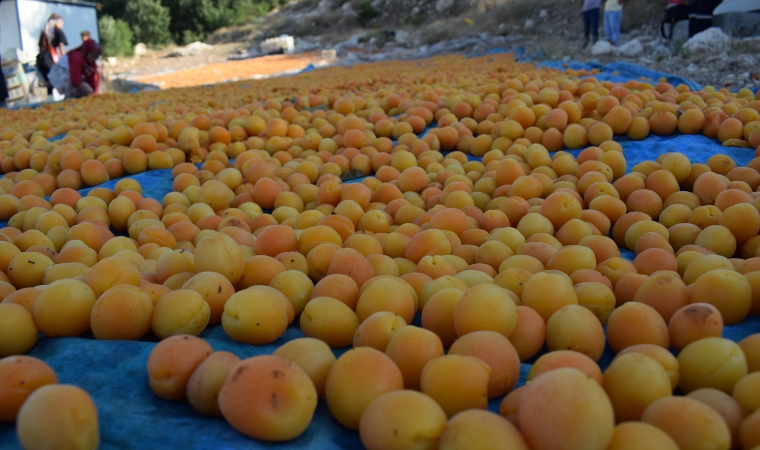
115, 37
150, 22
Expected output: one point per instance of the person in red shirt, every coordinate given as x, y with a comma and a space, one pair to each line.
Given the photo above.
85, 78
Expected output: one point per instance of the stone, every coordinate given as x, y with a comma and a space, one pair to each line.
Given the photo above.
692, 68
530, 23
141, 49
112, 61
631, 48
712, 40
443, 5
602, 47
402, 37
543, 14
194, 48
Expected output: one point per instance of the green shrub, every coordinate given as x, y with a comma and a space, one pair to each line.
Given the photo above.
150, 22
115, 37
366, 12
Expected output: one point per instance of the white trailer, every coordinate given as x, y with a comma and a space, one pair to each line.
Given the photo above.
21, 22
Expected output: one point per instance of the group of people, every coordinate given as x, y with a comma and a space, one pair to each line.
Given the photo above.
699, 13
613, 13
81, 61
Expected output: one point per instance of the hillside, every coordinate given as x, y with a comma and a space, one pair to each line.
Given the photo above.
370, 30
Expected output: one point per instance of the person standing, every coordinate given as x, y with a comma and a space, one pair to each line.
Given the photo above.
613, 13
46, 59
590, 15
701, 15
56, 35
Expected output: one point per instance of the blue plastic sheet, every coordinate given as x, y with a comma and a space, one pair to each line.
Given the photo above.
131, 416
621, 71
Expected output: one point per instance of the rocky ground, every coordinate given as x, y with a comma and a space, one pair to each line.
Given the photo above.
372, 30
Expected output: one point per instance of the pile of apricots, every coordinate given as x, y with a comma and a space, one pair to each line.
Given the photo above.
473, 243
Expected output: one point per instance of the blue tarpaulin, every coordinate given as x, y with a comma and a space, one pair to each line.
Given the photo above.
131, 416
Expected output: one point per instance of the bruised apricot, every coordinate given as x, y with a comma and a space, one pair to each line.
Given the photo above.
268, 398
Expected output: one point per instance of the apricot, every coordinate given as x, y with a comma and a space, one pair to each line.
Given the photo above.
58, 416
27, 269
19, 377
547, 292
750, 345
711, 362
690, 423
480, 429
724, 405
311, 355
456, 382
386, 294
357, 378
728, 291
485, 307
634, 381
121, 313
18, 332
219, 253
411, 348
694, 322
633, 435
553, 415
207, 380
574, 327
256, 316
63, 308
663, 291
402, 418
268, 398
636, 323
215, 289
497, 352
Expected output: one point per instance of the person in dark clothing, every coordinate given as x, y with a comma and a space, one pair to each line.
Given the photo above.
590, 15
52, 44
701, 15
54, 30
3, 92
45, 61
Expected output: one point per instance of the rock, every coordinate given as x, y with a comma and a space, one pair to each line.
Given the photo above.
749, 45
112, 61
194, 48
543, 14
692, 68
712, 40
602, 47
530, 23
348, 9
303, 46
443, 5
660, 51
141, 49
351, 42
402, 37
631, 48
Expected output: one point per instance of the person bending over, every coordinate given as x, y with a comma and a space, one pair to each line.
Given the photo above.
83, 68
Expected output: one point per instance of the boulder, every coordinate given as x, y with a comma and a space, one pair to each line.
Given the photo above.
443, 5
141, 49
602, 47
712, 40
631, 48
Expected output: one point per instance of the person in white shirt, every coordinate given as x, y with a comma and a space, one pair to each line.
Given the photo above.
613, 12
